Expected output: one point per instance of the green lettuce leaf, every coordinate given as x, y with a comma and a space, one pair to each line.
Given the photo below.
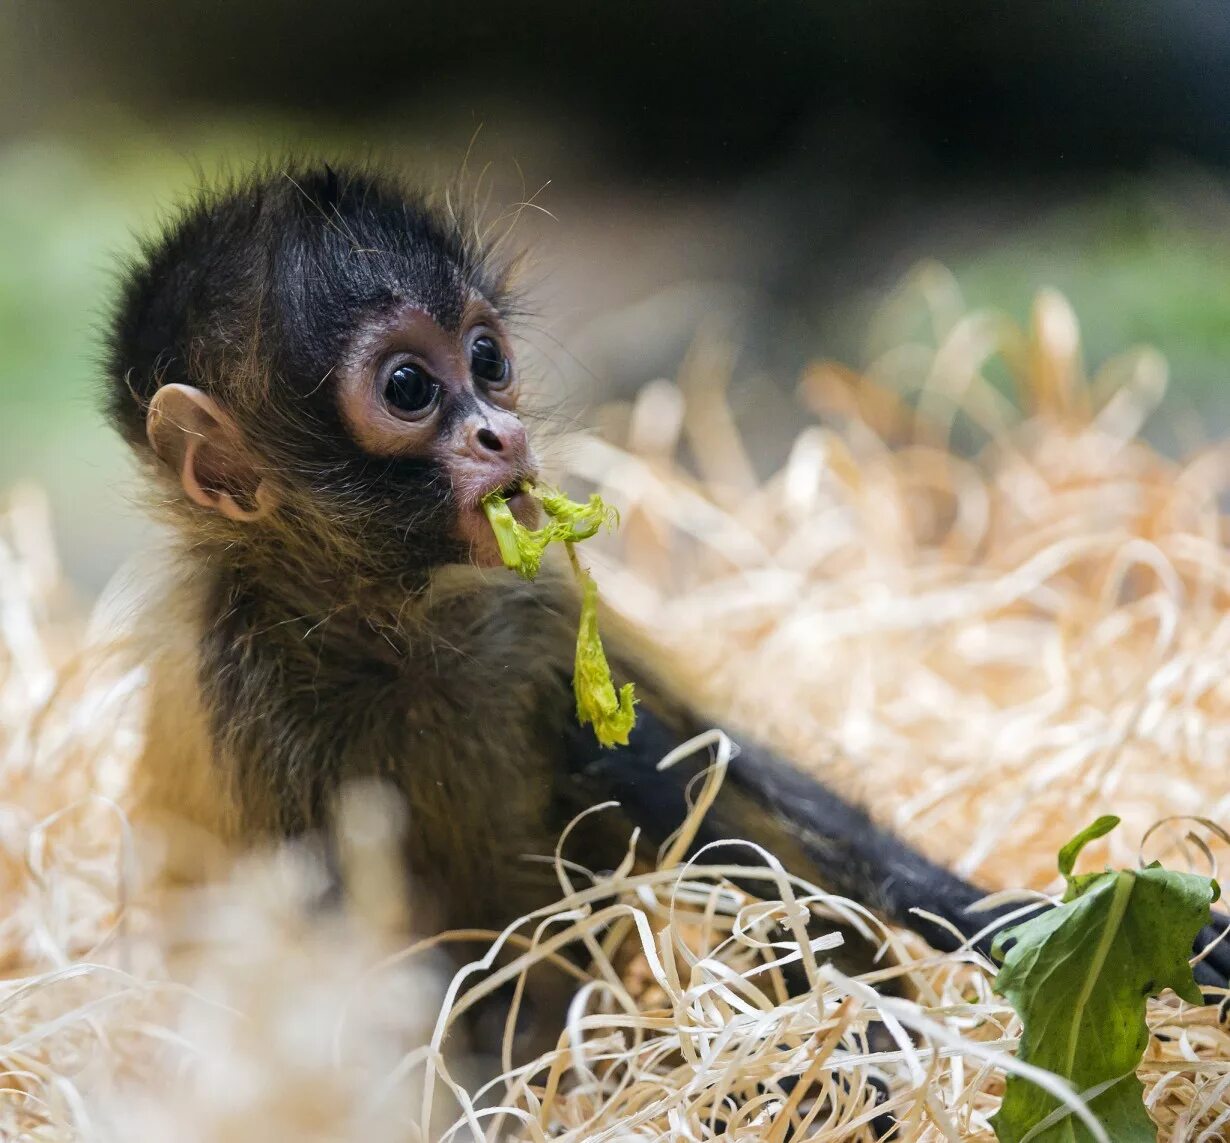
1078, 976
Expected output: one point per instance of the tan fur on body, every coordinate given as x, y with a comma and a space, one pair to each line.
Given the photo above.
324, 625
437, 691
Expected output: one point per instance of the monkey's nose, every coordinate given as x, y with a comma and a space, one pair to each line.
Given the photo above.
488, 440
499, 440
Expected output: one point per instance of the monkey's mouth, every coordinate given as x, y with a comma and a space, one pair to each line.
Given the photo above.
474, 529
516, 495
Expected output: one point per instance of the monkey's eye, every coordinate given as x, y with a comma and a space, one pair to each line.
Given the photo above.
488, 363
410, 389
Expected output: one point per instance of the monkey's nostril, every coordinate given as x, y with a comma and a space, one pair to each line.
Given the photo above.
489, 440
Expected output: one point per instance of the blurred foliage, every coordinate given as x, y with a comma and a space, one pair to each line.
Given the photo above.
1137, 268
64, 216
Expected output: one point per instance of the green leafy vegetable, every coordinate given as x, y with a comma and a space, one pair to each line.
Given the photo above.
1071, 851
521, 548
1078, 976
611, 714
575, 521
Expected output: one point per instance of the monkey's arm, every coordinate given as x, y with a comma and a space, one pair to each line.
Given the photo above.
813, 831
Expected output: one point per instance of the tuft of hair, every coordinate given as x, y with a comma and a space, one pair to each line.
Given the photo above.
276, 267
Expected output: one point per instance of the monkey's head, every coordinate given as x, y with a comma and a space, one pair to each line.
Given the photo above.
318, 364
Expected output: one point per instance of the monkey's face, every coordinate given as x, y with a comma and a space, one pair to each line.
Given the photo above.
439, 406
384, 464
323, 360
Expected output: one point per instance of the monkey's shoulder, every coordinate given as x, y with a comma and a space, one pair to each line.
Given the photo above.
473, 691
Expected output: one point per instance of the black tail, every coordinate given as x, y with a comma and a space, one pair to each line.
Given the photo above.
814, 833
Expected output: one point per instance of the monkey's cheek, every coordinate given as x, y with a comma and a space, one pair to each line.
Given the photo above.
474, 532
484, 555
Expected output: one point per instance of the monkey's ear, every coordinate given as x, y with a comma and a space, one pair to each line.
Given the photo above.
201, 443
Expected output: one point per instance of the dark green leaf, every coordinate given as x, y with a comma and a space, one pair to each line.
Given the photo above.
1079, 976
1071, 851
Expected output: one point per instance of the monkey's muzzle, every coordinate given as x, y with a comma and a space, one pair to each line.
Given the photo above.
473, 527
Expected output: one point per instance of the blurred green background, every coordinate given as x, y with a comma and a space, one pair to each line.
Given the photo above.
772, 168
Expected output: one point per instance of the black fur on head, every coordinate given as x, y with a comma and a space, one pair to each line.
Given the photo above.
252, 295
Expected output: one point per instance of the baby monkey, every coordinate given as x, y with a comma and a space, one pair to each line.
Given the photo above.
318, 369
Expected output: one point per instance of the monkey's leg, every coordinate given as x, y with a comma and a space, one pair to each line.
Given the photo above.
814, 832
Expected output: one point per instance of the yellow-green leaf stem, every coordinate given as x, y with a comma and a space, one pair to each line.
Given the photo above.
610, 713
517, 548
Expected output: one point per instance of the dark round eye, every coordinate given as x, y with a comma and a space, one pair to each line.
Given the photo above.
410, 389
487, 361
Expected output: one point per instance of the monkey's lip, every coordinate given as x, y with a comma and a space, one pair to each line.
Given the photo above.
513, 488
522, 504
516, 495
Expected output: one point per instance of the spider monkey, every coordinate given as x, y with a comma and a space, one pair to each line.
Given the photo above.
316, 366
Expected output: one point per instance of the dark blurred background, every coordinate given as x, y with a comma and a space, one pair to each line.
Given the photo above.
766, 170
